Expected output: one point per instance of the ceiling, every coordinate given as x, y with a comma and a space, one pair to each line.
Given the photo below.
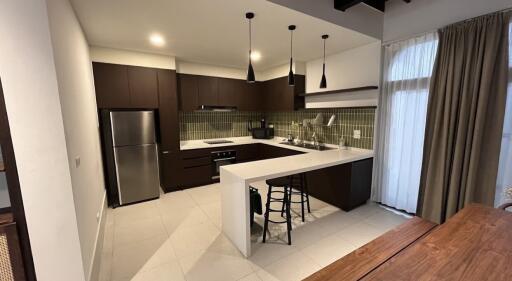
211, 32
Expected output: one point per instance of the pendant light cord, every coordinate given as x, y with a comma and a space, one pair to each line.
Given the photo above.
291, 44
324, 50
250, 39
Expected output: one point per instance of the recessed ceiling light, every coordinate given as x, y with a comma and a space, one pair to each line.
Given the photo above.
255, 56
157, 40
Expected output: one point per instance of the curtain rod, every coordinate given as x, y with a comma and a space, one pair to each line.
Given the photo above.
389, 42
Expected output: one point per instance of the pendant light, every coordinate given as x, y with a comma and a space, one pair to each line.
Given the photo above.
250, 72
323, 82
291, 76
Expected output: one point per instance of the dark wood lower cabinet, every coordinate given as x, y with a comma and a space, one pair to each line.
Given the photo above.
345, 186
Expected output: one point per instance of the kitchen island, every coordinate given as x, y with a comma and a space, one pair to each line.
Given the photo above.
236, 179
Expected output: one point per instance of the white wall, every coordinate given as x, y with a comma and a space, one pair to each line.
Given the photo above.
235, 73
78, 102
280, 71
29, 79
403, 20
117, 56
210, 70
357, 67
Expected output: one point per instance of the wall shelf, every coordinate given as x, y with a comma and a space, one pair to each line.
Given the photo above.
357, 89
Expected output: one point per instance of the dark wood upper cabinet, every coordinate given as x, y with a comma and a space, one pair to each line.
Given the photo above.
271, 95
168, 110
143, 87
124, 86
279, 96
111, 82
229, 91
207, 90
187, 92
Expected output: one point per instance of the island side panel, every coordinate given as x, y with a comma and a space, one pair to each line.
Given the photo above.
235, 211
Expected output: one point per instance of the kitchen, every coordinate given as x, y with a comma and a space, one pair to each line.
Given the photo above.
208, 117
251, 140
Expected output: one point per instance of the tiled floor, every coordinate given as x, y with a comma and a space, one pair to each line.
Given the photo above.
178, 237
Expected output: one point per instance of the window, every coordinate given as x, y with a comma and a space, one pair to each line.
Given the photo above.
504, 180
408, 67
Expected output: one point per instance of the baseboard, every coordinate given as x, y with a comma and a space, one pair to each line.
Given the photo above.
94, 270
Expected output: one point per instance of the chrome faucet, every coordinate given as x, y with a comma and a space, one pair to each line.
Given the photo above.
314, 139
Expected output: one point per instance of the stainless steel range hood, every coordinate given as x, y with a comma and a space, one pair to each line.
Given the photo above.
215, 108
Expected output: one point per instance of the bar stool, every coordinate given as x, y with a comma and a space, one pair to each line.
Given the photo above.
283, 182
299, 183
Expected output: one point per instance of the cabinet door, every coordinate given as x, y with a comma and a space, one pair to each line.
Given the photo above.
207, 90
143, 87
170, 171
187, 92
229, 90
251, 96
168, 110
111, 83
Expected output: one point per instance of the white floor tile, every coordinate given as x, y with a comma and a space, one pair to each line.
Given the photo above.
132, 258
185, 218
178, 237
170, 271
205, 194
385, 220
360, 233
213, 211
133, 213
294, 267
192, 239
329, 249
251, 277
210, 266
138, 231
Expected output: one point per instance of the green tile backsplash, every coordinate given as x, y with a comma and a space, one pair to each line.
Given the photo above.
207, 125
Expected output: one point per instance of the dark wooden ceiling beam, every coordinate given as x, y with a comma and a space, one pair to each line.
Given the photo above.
343, 5
380, 5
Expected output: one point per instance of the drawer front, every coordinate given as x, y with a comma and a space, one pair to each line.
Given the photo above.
194, 162
195, 153
196, 176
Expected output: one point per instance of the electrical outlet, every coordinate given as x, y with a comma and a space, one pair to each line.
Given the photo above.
77, 161
357, 134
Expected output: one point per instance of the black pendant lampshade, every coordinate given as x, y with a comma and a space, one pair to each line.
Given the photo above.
250, 71
291, 76
323, 82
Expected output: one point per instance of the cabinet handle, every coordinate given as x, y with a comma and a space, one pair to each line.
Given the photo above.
165, 152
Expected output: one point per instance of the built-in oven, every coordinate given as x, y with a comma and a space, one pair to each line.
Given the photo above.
221, 158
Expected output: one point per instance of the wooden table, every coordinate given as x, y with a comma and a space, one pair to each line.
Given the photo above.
475, 244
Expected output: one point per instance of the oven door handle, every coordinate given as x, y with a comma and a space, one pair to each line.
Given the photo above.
224, 159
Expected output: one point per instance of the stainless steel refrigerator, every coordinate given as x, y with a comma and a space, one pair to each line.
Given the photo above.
130, 151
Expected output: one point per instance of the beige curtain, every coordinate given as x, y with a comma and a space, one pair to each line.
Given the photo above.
465, 117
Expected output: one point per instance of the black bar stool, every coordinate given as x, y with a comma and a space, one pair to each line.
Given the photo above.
283, 182
299, 182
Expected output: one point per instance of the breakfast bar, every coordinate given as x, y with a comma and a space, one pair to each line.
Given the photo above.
236, 179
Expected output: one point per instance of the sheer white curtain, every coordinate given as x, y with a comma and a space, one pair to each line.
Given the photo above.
504, 180
402, 115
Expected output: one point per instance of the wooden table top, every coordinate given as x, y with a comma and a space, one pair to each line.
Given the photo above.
475, 244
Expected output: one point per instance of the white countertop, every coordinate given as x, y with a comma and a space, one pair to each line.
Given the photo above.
277, 167
235, 180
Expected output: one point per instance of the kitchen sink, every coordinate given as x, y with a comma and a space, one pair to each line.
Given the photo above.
309, 146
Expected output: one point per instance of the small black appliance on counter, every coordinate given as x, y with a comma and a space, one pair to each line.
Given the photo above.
263, 133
